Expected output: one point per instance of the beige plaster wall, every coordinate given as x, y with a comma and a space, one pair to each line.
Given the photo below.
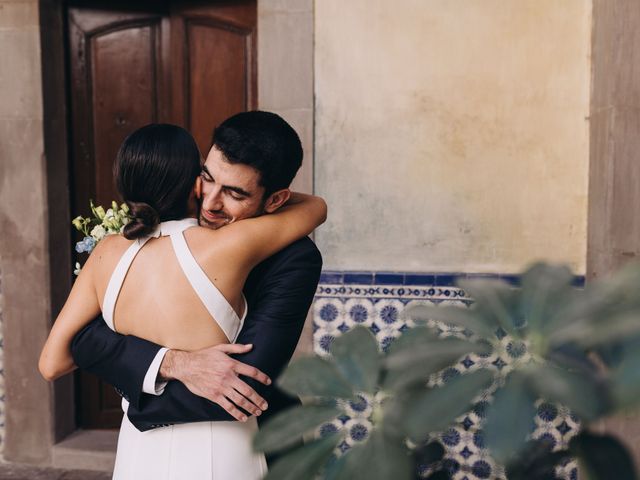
23, 234
452, 136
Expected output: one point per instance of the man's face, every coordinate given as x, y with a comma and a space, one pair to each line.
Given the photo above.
230, 191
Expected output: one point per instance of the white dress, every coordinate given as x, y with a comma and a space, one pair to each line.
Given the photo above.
201, 450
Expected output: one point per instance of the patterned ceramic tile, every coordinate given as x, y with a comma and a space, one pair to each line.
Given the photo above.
377, 301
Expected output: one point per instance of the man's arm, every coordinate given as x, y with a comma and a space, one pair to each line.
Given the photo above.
280, 296
124, 361
120, 360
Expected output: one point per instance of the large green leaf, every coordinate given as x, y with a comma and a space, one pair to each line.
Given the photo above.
509, 419
356, 355
544, 288
469, 318
412, 337
600, 302
315, 377
577, 306
288, 427
602, 457
601, 331
379, 458
306, 461
582, 392
497, 300
416, 362
625, 380
422, 411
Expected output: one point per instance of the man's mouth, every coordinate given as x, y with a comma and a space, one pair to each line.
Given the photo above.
214, 217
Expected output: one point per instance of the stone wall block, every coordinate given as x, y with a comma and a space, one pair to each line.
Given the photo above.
285, 60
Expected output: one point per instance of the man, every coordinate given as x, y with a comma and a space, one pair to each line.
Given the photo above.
254, 158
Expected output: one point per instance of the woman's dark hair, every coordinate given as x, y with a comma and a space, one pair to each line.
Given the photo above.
155, 170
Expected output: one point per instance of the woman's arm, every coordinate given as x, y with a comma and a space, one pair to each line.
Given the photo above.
81, 307
253, 240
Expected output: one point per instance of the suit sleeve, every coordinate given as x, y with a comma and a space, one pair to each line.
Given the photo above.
120, 360
273, 325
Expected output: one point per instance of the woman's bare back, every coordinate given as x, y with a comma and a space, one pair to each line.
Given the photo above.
157, 301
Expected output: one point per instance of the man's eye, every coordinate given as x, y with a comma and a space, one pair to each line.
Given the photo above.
206, 177
234, 195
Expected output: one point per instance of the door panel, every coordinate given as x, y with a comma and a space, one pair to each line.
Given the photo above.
134, 63
115, 71
210, 104
214, 53
124, 94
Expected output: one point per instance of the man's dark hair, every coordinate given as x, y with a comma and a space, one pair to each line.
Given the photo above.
155, 170
264, 141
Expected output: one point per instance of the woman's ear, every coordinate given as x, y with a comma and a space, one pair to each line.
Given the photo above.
276, 200
197, 187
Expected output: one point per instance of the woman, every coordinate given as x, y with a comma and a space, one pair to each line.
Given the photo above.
183, 286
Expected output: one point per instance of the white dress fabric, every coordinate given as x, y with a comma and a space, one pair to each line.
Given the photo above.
201, 450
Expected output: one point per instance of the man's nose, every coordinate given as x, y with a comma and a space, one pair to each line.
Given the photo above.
213, 199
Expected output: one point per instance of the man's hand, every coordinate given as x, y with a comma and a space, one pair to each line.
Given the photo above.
212, 374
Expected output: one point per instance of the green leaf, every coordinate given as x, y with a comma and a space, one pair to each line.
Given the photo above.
415, 363
602, 457
288, 427
599, 303
626, 381
422, 411
583, 393
599, 332
495, 299
469, 318
412, 337
510, 419
315, 377
544, 288
306, 461
379, 458
356, 355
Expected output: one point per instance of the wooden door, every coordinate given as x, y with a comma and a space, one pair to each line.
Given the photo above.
192, 64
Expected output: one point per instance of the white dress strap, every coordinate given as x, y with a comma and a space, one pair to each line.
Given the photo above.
213, 300
117, 279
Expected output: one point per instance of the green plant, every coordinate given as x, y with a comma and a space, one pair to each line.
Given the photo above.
580, 352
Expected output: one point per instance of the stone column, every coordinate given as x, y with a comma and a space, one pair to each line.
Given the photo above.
24, 254
613, 222
285, 85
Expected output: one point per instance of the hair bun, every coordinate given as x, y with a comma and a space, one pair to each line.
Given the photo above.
144, 219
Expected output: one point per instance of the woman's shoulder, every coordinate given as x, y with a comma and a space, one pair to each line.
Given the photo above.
213, 245
109, 246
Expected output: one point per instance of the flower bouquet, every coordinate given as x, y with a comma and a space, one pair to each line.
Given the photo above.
95, 228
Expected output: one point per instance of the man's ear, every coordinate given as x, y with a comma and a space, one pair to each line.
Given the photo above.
276, 200
197, 188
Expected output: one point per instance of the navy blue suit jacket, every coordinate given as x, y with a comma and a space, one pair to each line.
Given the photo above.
279, 292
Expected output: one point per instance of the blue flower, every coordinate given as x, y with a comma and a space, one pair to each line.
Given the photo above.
86, 245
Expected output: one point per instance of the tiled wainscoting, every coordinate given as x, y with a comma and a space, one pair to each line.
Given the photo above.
376, 300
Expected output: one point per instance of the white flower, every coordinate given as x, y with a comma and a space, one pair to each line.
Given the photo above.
98, 232
76, 272
109, 215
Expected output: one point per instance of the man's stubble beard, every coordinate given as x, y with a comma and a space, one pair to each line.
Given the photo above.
215, 226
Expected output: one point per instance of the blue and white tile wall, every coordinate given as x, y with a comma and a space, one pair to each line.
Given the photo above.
376, 300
